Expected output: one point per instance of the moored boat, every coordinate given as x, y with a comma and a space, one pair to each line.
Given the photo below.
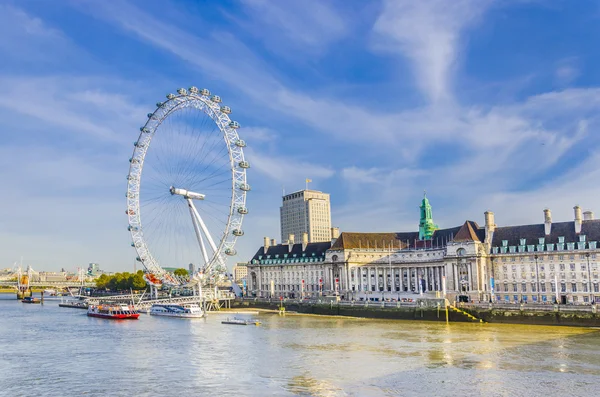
178, 311
30, 299
74, 304
240, 321
113, 312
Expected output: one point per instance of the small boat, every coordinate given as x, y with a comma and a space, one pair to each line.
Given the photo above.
240, 321
113, 312
30, 299
74, 304
180, 311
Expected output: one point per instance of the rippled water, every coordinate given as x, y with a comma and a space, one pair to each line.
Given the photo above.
47, 350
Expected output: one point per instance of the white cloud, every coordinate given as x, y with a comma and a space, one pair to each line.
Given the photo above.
427, 33
311, 24
286, 168
567, 70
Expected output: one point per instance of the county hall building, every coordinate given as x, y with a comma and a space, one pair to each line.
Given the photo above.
526, 263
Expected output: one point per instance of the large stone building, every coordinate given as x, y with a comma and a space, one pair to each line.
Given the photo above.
306, 211
527, 263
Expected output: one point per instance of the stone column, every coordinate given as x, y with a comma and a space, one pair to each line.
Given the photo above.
426, 279
400, 281
455, 276
469, 276
416, 279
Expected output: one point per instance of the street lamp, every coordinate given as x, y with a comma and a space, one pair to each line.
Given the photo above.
537, 277
587, 256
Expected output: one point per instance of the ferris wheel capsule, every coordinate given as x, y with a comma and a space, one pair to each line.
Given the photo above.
238, 232
245, 187
234, 124
244, 164
230, 251
182, 91
225, 109
242, 210
170, 96
215, 98
240, 143
204, 92
193, 90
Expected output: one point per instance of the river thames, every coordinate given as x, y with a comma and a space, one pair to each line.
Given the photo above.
51, 351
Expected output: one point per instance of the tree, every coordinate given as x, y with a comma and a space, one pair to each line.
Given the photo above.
102, 281
138, 281
181, 272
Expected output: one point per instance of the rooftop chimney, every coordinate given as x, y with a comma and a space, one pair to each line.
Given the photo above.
273, 242
588, 216
266, 245
290, 242
547, 221
490, 226
304, 241
335, 233
578, 220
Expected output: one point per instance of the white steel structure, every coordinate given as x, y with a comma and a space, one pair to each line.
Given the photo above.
194, 192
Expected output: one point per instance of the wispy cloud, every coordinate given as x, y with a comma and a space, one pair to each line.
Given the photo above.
286, 168
428, 33
311, 24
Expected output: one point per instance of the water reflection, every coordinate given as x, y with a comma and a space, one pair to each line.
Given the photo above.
290, 355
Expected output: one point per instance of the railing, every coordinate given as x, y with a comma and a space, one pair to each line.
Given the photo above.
531, 307
146, 304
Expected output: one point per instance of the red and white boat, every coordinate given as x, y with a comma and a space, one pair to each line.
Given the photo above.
113, 312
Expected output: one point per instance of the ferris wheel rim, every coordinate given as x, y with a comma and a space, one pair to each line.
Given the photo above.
210, 106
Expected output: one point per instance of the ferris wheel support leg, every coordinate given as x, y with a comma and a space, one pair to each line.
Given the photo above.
195, 218
211, 242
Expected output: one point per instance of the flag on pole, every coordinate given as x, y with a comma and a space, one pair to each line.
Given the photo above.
308, 180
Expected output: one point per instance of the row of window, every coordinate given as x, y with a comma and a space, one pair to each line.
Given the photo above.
552, 267
532, 287
543, 298
542, 276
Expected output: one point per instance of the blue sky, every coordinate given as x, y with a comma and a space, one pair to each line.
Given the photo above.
487, 105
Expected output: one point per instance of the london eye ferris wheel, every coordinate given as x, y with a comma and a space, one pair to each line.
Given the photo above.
186, 189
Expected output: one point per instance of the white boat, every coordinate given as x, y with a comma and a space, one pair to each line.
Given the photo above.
191, 310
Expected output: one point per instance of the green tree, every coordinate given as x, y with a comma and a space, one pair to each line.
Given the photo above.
138, 282
180, 272
102, 281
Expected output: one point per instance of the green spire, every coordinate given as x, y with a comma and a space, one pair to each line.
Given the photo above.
426, 225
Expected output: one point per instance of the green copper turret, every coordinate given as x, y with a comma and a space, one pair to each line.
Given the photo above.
426, 225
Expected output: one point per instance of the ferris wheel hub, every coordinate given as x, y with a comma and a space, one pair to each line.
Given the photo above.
186, 193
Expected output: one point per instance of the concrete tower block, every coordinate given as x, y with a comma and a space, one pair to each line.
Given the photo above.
547, 222
578, 220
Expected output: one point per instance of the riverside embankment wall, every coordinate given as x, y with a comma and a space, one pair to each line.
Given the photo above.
550, 316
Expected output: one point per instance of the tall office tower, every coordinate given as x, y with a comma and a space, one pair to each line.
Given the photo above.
306, 211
